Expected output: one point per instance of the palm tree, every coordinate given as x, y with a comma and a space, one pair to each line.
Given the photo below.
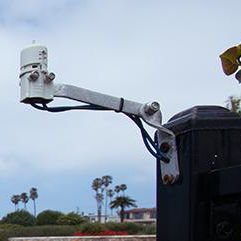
34, 196
117, 189
15, 199
106, 181
122, 202
123, 187
110, 193
97, 187
99, 199
96, 184
24, 198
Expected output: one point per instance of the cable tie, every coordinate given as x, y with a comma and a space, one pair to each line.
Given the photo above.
120, 105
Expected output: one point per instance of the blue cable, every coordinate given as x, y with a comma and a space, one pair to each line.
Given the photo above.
145, 136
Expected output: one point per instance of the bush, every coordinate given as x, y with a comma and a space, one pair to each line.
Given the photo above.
36, 231
92, 228
70, 219
130, 228
148, 229
48, 217
19, 217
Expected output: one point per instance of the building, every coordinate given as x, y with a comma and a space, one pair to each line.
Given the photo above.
140, 215
93, 218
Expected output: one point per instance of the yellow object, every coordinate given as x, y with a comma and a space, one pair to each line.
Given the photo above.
230, 59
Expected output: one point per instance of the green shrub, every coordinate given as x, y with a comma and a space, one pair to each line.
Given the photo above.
48, 217
92, 228
37, 231
9, 226
70, 219
130, 228
148, 229
19, 217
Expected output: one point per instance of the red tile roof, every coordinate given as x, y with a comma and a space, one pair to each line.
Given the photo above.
138, 210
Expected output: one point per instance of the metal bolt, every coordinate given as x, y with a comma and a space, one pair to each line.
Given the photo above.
151, 108
34, 75
50, 77
165, 147
168, 179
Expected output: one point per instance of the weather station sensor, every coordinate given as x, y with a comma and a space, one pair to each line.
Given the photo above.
36, 83
38, 89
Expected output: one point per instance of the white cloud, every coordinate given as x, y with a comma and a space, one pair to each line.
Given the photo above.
34, 12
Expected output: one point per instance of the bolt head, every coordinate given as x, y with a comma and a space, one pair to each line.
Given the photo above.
165, 147
34, 75
155, 106
168, 179
151, 108
51, 76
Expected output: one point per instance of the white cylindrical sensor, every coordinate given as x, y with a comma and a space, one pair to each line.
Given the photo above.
35, 83
33, 57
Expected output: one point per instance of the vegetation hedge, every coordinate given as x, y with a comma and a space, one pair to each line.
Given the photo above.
70, 219
19, 217
48, 217
92, 228
36, 231
130, 228
12, 230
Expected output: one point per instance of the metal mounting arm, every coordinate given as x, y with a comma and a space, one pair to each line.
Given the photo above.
37, 87
150, 113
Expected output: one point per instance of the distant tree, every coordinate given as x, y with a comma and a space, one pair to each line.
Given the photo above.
123, 187
117, 189
110, 195
71, 218
99, 197
34, 196
48, 217
24, 198
106, 181
97, 187
19, 217
122, 202
15, 199
233, 103
96, 184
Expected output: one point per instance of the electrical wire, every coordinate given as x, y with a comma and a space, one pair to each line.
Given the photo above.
44, 107
150, 144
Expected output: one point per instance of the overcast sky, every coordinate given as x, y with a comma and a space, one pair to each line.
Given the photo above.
166, 51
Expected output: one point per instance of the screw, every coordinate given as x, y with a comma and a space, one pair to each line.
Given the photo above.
151, 108
34, 75
165, 147
50, 77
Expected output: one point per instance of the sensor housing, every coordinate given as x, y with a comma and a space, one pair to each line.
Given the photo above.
36, 83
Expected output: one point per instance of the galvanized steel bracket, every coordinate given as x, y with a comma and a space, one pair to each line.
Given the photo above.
149, 113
